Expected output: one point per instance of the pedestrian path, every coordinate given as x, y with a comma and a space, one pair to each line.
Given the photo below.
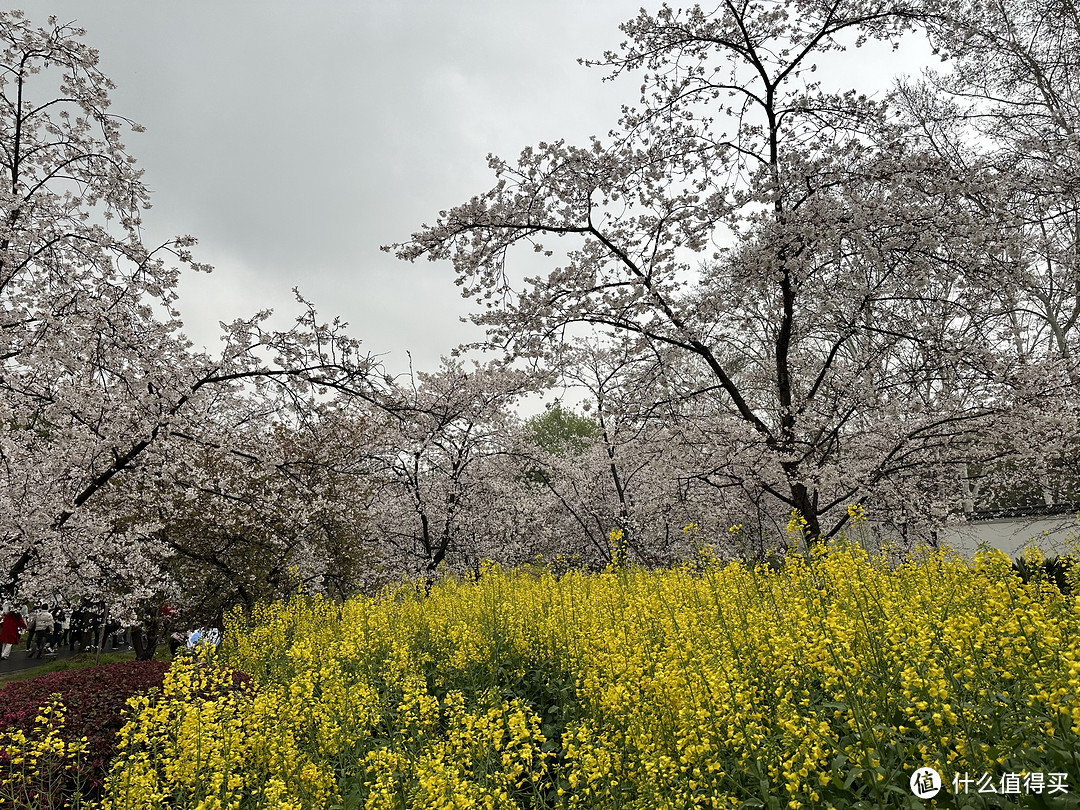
20, 660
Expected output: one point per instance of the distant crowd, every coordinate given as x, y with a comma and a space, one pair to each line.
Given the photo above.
49, 628
84, 629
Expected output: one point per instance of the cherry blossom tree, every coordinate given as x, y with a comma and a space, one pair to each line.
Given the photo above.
276, 508
654, 470
444, 493
821, 275
99, 388
1009, 98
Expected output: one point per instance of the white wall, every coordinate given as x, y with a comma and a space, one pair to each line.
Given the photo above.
1054, 534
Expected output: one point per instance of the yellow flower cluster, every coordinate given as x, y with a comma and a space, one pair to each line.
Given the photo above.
342, 707
34, 765
797, 526
204, 743
821, 684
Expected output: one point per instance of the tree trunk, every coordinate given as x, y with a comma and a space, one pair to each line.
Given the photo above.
807, 507
145, 641
145, 637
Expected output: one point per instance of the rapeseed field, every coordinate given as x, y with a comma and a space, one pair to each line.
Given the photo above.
826, 680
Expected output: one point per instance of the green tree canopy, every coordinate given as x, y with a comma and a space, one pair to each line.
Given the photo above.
561, 432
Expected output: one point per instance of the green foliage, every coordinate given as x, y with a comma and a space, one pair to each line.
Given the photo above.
1052, 571
561, 432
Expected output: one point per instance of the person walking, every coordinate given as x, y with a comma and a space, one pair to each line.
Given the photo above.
10, 628
56, 640
75, 636
31, 627
93, 625
65, 628
43, 623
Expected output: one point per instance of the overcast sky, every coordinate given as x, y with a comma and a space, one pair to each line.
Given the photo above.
293, 139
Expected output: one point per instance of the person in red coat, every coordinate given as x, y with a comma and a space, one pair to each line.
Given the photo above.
10, 628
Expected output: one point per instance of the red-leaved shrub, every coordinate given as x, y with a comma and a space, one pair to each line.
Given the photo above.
95, 699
